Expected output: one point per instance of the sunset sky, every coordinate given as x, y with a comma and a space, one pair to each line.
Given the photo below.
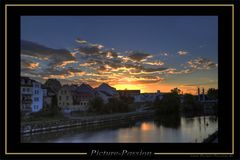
128, 52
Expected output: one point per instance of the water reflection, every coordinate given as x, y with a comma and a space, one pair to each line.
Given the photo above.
170, 121
163, 129
147, 126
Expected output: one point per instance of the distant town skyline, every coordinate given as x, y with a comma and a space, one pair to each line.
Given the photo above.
148, 53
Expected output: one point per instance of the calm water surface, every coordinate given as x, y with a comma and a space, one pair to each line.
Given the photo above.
166, 129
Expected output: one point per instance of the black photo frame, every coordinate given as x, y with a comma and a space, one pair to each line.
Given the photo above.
228, 146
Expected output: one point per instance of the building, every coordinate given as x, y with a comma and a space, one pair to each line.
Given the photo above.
26, 95
31, 95
106, 92
129, 93
205, 100
37, 97
147, 97
65, 98
74, 98
84, 93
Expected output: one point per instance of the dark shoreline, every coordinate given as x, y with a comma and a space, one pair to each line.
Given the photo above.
36, 137
98, 120
211, 138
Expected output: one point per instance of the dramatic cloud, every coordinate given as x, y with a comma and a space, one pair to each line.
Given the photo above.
88, 50
144, 79
65, 63
94, 64
175, 71
164, 54
138, 56
55, 56
111, 54
155, 63
25, 63
182, 53
201, 64
33, 65
78, 40
153, 69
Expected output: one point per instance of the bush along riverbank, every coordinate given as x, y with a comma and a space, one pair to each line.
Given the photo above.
184, 105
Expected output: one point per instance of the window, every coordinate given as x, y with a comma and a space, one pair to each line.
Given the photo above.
60, 98
36, 99
36, 91
67, 98
28, 89
67, 103
23, 89
59, 103
35, 106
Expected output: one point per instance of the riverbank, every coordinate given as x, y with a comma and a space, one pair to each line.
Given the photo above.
28, 128
143, 130
213, 138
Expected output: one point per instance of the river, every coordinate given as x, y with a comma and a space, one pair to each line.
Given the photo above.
164, 129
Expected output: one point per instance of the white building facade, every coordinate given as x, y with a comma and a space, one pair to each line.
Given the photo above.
37, 97
147, 97
31, 95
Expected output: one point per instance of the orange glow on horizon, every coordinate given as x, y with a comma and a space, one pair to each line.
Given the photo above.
152, 88
128, 86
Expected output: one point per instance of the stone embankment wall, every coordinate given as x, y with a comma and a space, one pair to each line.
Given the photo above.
27, 128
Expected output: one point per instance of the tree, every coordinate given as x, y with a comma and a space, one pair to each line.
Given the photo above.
127, 99
54, 110
96, 104
170, 103
116, 105
190, 104
176, 91
53, 84
157, 102
212, 93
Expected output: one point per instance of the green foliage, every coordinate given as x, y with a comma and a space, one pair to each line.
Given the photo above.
212, 93
54, 84
170, 103
175, 91
190, 104
116, 105
96, 104
54, 109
